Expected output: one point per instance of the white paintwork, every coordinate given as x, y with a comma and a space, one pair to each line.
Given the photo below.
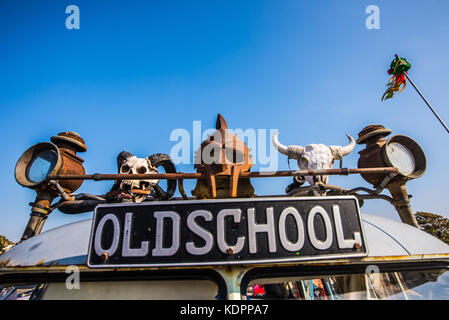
413, 240
68, 244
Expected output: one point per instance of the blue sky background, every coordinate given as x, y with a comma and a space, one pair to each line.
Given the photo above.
137, 70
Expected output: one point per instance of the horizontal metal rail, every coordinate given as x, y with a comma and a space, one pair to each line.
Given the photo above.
256, 174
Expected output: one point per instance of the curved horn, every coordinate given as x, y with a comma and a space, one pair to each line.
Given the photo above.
348, 149
121, 158
290, 151
279, 147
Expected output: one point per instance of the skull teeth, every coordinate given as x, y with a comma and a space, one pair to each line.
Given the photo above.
129, 185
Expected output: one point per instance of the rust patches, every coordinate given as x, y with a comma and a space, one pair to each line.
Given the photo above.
53, 263
229, 157
7, 268
5, 263
40, 263
396, 258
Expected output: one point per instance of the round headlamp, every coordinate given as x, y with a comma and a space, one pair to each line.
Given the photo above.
406, 155
36, 163
52, 158
40, 161
399, 152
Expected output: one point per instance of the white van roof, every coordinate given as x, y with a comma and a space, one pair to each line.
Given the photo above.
68, 244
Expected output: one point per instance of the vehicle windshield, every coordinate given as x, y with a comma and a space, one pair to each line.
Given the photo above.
114, 290
417, 285
410, 285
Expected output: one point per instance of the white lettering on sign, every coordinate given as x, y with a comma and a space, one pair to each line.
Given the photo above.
222, 244
159, 250
199, 231
342, 242
319, 244
254, 228
286, 243
127, 251
97, 241
277, 232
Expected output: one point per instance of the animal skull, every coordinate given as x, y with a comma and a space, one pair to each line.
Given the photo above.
134, 165
315, 156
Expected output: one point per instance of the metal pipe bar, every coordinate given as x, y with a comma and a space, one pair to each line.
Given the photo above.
256, 174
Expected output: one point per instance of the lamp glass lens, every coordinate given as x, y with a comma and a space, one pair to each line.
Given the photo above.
42, 165
401, 158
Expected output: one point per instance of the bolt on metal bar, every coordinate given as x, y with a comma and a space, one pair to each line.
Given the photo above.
256, 174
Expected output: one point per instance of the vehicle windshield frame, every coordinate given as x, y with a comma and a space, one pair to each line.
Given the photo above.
312, 271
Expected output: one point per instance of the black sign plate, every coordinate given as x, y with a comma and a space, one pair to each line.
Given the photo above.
228, 231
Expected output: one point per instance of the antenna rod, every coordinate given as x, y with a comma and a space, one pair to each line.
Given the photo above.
427, 102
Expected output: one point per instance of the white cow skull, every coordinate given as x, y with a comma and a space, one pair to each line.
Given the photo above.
315, 156
134, 165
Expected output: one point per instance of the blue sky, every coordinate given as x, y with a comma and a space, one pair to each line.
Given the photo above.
135, 71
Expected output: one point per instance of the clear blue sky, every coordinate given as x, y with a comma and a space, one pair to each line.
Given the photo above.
135, 71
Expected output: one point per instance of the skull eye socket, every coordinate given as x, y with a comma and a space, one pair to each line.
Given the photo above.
141, 170
125, 169
304, 162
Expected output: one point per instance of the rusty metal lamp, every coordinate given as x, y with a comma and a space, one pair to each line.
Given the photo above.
398, 151
221, 158
44, 159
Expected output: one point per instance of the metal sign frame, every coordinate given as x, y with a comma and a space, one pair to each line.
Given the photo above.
237, 262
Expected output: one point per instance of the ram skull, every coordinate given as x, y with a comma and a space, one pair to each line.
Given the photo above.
130, 164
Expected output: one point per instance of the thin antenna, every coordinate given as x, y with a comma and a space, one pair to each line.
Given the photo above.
427, 102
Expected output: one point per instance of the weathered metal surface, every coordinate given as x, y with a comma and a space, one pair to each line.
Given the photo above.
411, 161
181, 189
415, 241
221, 252
6, 268
374, 155
68, 163
371, 157
233, 279
69, 140
72, 165
265, 174
39, 213
228, 156
63, 245
386, 240
401, 202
